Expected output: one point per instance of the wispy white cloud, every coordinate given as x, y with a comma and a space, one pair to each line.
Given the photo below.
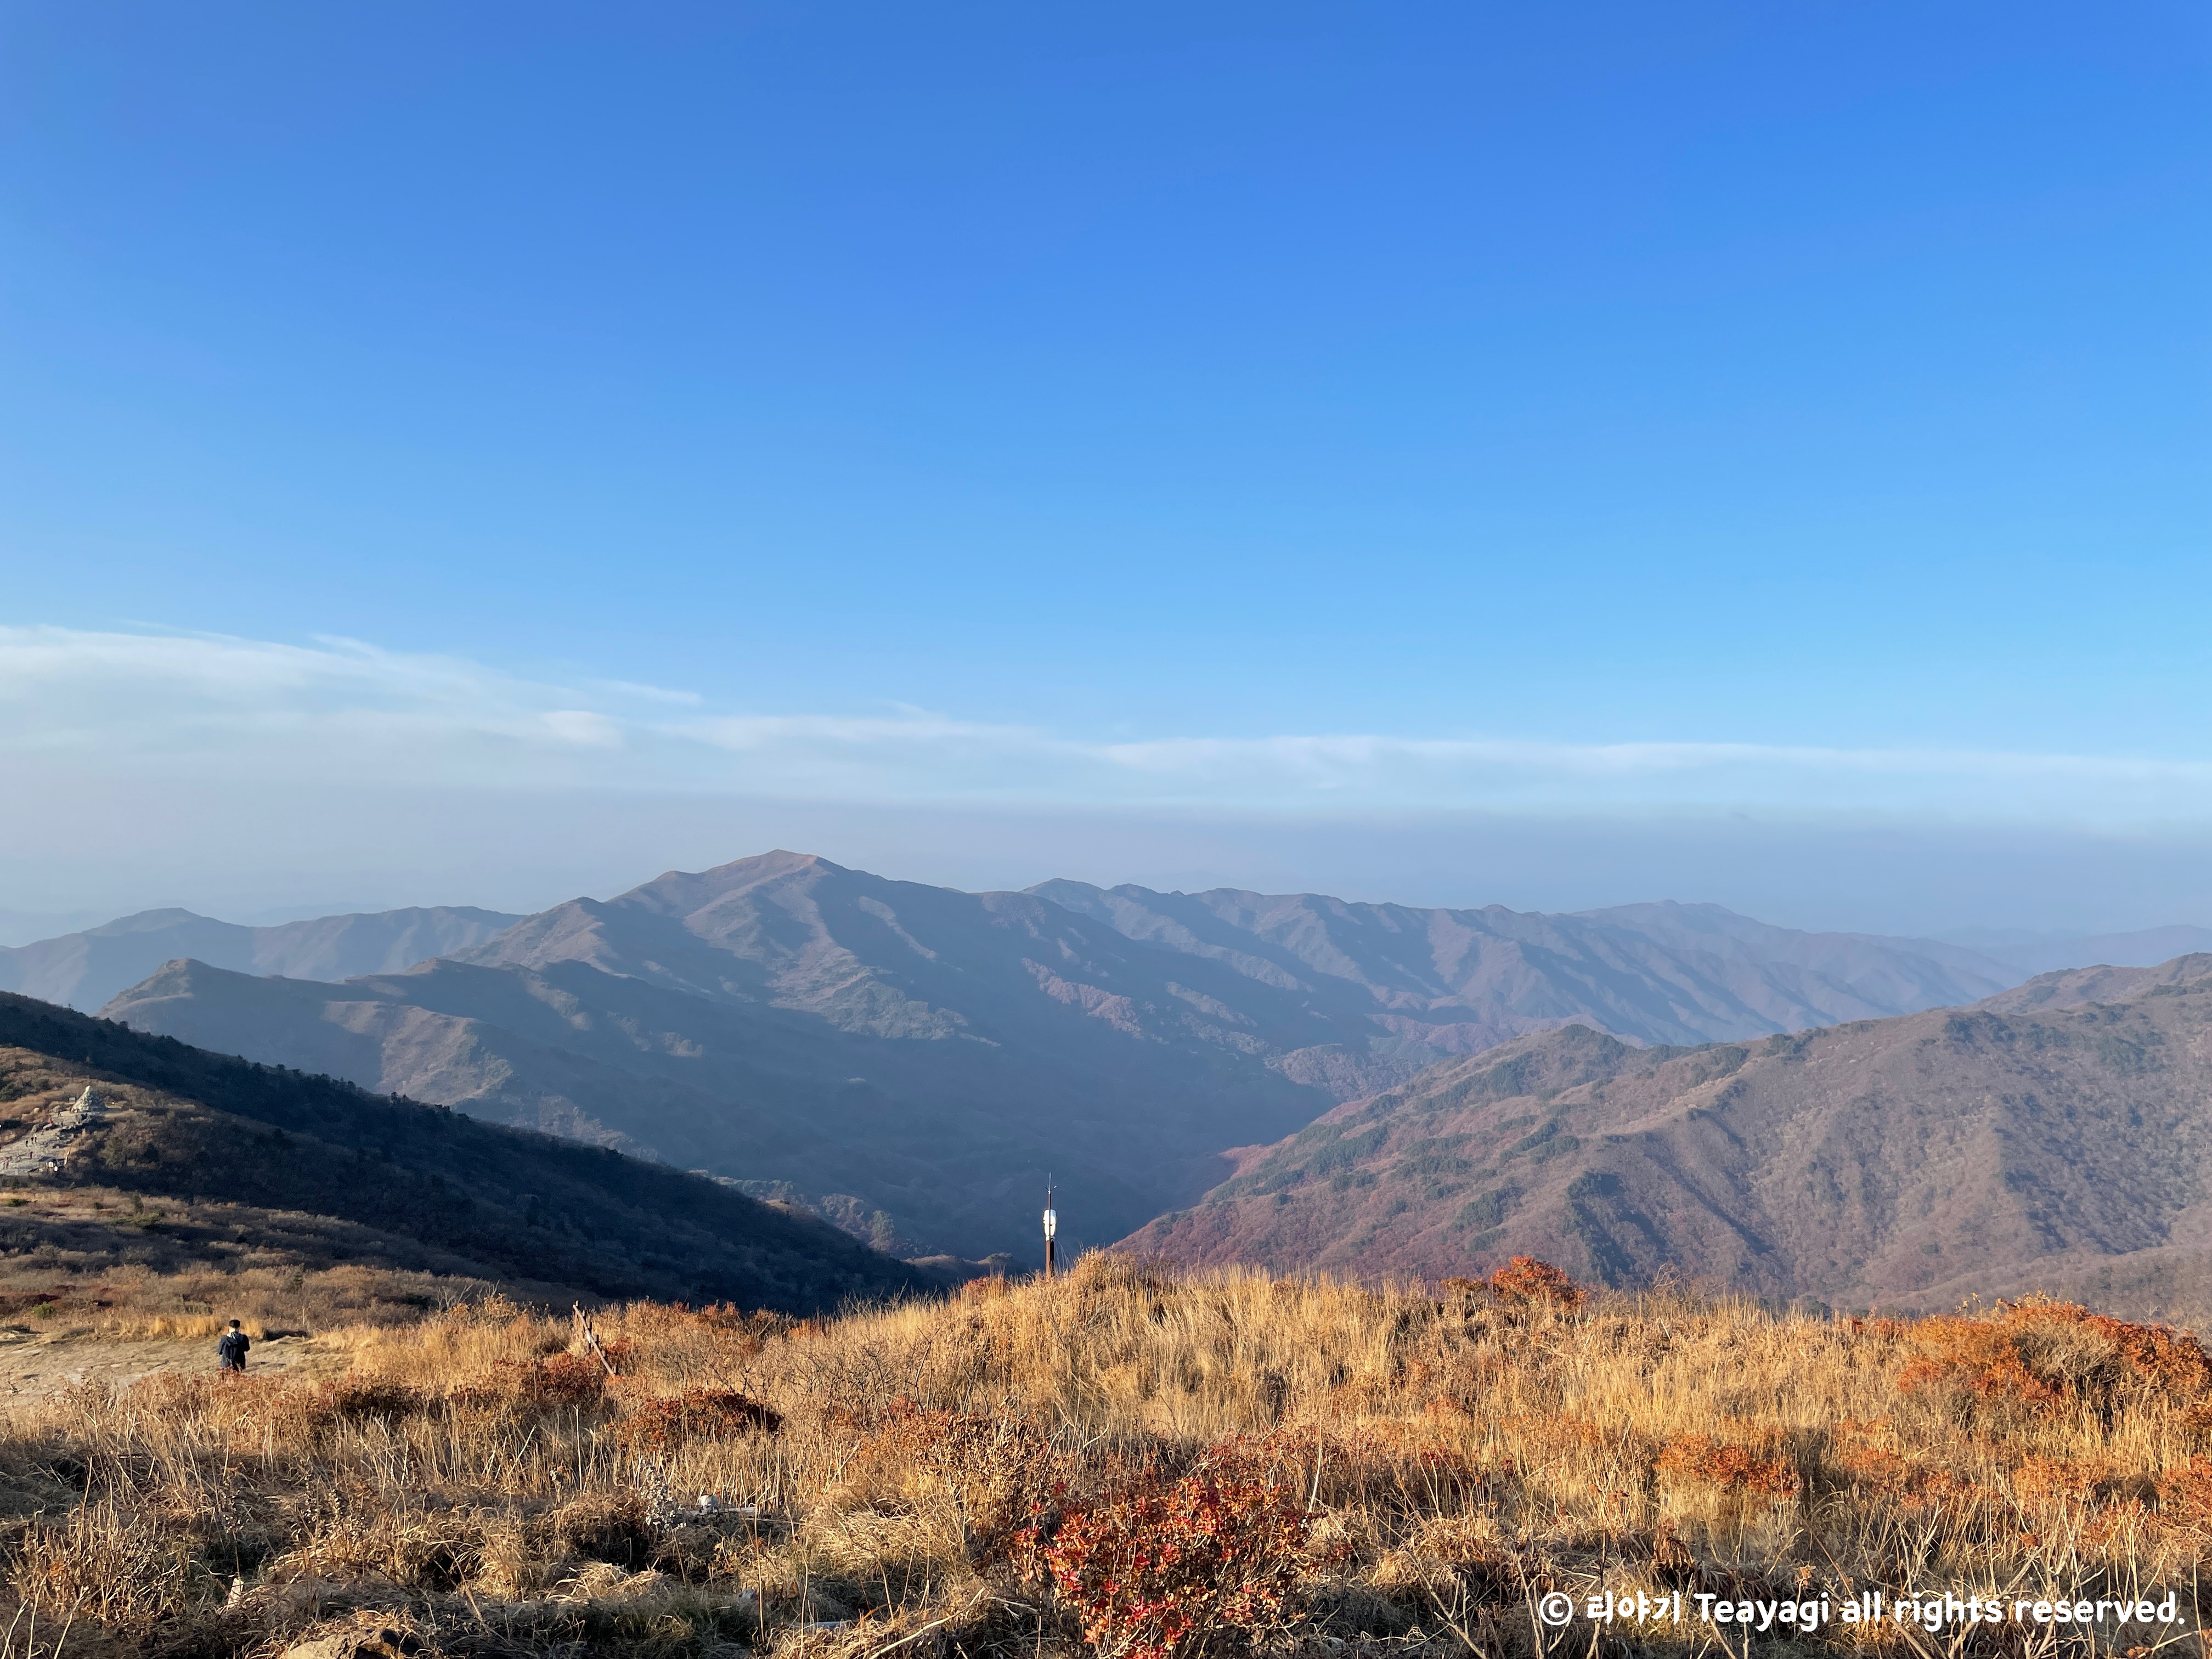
649, 693
156, 704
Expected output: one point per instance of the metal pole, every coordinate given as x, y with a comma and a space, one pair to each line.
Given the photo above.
1051, 1226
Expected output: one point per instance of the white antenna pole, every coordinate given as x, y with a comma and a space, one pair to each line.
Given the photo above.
1051, 1226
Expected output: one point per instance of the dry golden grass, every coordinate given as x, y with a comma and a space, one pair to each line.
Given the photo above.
189, 1298
1334, 1469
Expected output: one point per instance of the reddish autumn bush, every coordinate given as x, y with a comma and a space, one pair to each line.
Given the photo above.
1980, 1359
556, 1381
566, 1379
1526, 1282
2185, 1494
2045, 1356
2167, 1364
1161, 1568
2039, 1481
664, 1424
1701, 1460
1866, 1458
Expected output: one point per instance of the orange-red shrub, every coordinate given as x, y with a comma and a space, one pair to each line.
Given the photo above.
1982, 1361
1166, 1570
2043, 1354
1525, 1281
1704, 1461
556, 1381
664, 1424
2171, 1364
566, 1379
1866, 1455
2058, 1479
2185, 1493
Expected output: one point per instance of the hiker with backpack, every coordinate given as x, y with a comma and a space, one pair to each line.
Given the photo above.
230, 1353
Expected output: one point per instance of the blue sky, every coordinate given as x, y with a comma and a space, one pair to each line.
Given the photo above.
1604, 415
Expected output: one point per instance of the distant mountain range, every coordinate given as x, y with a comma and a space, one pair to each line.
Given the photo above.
2058, 1137
84, 970
915, 1061
1416, 982
2045, 954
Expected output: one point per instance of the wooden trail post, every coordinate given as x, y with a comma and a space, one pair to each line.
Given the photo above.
590, 1339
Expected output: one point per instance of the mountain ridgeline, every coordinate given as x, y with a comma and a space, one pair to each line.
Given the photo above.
83, 971
2058, 1137
916, 1061
319, 1173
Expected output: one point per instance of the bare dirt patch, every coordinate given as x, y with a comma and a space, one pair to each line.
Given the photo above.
31, 1364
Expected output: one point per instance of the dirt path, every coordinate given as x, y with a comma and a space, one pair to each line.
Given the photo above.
34, 1364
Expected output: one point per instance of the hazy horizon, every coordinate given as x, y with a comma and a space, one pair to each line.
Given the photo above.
1453, 456
463, 850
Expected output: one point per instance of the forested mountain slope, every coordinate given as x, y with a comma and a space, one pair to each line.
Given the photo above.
320, 1172
1911, 1160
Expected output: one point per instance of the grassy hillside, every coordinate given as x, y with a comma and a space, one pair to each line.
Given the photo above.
1902, 1162
218, 1160
1136, 1464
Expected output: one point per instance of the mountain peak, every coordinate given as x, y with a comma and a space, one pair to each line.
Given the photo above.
149, 921
683, 892
777, 860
